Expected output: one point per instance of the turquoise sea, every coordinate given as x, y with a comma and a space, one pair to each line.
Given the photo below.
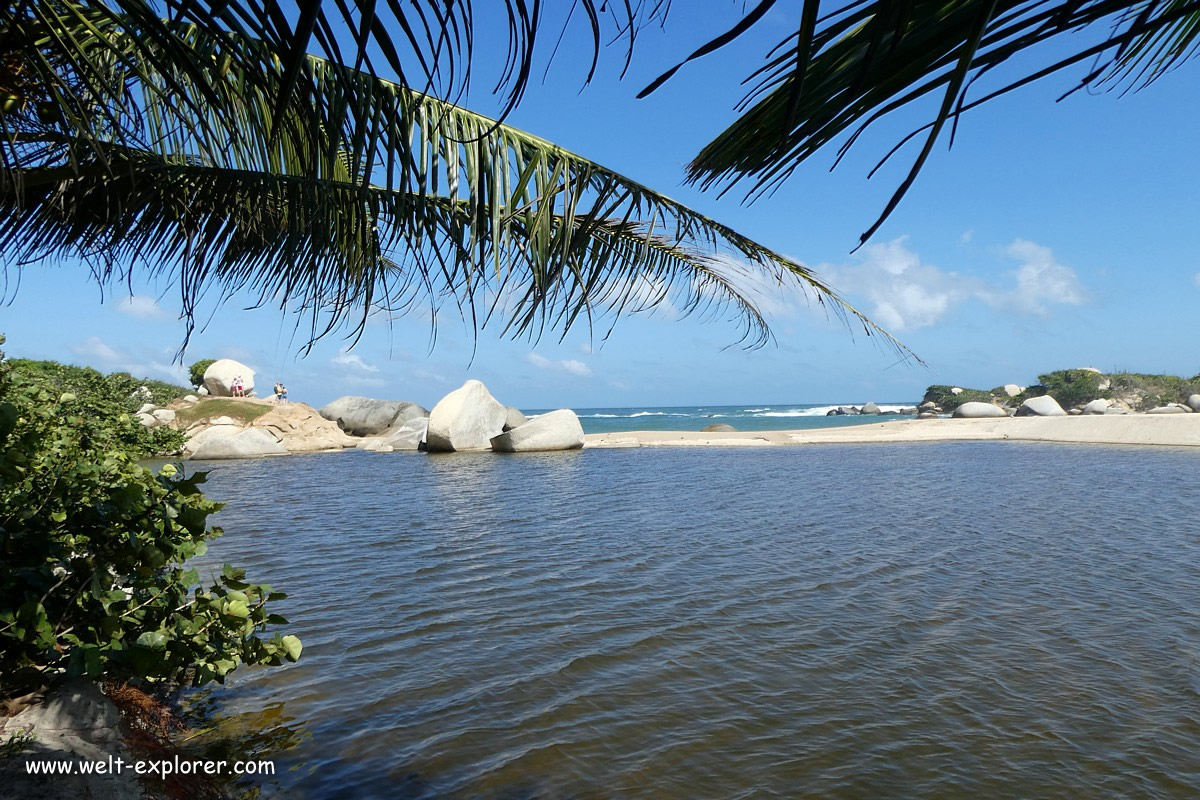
749, 417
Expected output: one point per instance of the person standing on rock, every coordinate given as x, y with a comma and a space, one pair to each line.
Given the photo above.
280, 392
237, 389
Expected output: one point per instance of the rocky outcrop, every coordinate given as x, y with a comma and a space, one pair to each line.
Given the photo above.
869, 408
466, 419
300, 429
221, 374
1044, 406
73, 722
239, 443
366, 416
1096, 407
556, 430
1174, 408
515, 419
976, 410
408, 436
718, 428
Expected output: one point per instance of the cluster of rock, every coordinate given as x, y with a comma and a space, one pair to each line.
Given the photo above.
286, 428
869, 408
153, 416
467, 419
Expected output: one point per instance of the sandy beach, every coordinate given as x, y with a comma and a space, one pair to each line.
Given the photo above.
1176, 430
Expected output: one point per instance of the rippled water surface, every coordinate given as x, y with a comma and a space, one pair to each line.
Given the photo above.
924, 621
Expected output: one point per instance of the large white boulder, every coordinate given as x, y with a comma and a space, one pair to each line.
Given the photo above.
163, 415
1044, 406
975, 410
1193, 402
245, 443
366, 416
1096, 407
220, 375
466, 419
870, 408
408, 436
555, 430
1012, 390
515, 418
146, 419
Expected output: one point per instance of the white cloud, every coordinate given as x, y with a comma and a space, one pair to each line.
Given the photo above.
1196, 278
1040, 280
142, 307
907, 294
571, 365
353, 361
967, 236
96, 348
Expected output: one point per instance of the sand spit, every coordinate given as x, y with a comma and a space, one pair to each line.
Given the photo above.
1175, 430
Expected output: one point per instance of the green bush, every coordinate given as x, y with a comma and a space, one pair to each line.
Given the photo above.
107, 397
196, 371
92, 553
1150, 391
1072, 387
948, 400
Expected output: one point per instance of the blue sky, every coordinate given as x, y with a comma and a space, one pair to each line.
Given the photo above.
1052, 235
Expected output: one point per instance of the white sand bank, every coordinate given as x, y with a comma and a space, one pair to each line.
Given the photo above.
1138, 429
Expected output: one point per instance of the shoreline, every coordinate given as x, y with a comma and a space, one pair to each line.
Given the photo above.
1161, 430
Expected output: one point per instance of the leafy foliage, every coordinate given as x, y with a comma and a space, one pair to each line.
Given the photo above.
196, 371
108, 397
1148, 391
948, 400
1070, 387
92, 553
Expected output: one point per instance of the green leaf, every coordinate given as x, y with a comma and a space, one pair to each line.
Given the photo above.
292, 647
237, 608
155, 640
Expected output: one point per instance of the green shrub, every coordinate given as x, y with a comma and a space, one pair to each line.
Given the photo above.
1150, 391
948, 400
196, 371
1072, 387
92, 553
107, 397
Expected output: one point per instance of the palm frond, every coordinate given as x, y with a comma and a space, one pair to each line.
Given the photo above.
353, 193
852, 63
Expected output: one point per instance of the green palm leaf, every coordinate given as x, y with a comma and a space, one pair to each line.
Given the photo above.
852, 63
138, 141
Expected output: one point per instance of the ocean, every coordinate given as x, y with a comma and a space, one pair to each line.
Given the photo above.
750, 417
988, 619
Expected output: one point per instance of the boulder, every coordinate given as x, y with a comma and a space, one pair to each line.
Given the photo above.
556, 430
1012, 390
515, 419
956, 390
191, 398
223, 421
975, 410
720, 427
1075, 412
833, 412
870, 408
245, 443
910, 410
202, 391
1174, 408
1044, 406
1193, 402
928, 405
300, 429
146, 408
466, 419
1096, 407
366, 416
927, 415
146, 419
209, 433
846, 410
1090, 369
163, 415
408, 436
220, 375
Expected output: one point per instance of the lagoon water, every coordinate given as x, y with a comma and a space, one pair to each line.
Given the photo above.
907, 621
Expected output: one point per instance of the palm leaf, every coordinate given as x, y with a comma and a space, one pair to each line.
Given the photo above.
333, 190
864, 59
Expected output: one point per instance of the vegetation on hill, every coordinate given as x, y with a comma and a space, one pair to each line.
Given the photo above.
1073, 388
93, 548
109, 397
240, 410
